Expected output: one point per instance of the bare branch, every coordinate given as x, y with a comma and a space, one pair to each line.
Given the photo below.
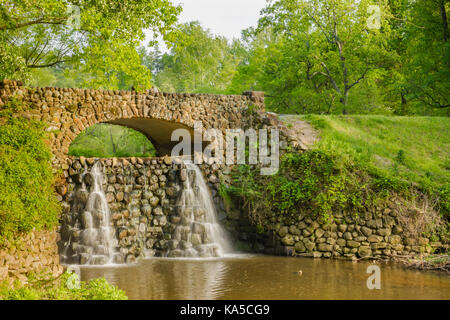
328, 74
58, 61
360, 78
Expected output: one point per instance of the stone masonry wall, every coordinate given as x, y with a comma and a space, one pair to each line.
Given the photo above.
142, 196
68, 112
375, 233
36, 252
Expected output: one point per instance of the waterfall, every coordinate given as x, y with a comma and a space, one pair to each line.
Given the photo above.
90, 233
96, 241
198, 233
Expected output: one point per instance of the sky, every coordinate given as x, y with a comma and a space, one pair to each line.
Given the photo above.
223, 17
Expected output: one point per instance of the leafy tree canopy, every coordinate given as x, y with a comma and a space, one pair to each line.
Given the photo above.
97, 38
198, 61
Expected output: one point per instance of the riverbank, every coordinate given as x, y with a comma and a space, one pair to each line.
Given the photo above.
335, 200
437, 262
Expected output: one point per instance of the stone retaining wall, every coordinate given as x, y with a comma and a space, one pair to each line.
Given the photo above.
142, 196
36, 252
376, 233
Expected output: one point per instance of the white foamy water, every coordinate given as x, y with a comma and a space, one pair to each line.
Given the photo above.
199, 234
96, 242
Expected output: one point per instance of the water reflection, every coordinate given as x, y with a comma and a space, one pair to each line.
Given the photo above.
262, 277
166, 279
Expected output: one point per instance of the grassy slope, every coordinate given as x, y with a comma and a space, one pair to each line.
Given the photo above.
414, 149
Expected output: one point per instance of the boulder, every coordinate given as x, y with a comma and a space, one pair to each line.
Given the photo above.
300, 247
283, 231
352, 244
324, 247
395, 239
364, 251
288, 240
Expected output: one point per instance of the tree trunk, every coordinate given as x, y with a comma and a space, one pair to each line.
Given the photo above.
112, 141
404, 106
344, 101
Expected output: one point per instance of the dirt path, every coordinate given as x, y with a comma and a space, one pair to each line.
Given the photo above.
303, 132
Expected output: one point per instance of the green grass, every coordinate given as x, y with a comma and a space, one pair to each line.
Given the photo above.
413, 149
107, 141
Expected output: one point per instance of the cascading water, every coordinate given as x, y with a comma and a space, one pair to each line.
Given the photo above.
198, 233
96, 242
156, 211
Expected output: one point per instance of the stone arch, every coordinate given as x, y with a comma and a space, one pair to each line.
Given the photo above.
159, 132
69, 111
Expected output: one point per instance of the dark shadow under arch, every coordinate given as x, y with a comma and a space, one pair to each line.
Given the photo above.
159, 132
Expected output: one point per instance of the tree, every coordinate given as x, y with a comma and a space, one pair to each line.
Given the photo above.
94, 37
198, 61
427, 72
323, 51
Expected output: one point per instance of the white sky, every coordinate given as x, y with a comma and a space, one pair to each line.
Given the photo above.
223, 17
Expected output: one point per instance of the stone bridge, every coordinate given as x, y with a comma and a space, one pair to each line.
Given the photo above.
69, 111
139, 192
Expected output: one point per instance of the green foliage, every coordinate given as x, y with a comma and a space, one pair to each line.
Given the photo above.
198, 62
308, 56
399, 150
358, 163
223, 192
400, 157
44, 33
13, 66
106, 141
427, 50
318, 57
57, 289
28, 200
315, 181
314, 56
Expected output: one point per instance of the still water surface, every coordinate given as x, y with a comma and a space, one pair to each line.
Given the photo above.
265, 277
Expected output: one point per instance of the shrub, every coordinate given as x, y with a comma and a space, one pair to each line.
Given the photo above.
57, 289
312, 181
27, 200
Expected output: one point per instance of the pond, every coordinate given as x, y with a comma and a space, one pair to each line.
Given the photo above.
247, 277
